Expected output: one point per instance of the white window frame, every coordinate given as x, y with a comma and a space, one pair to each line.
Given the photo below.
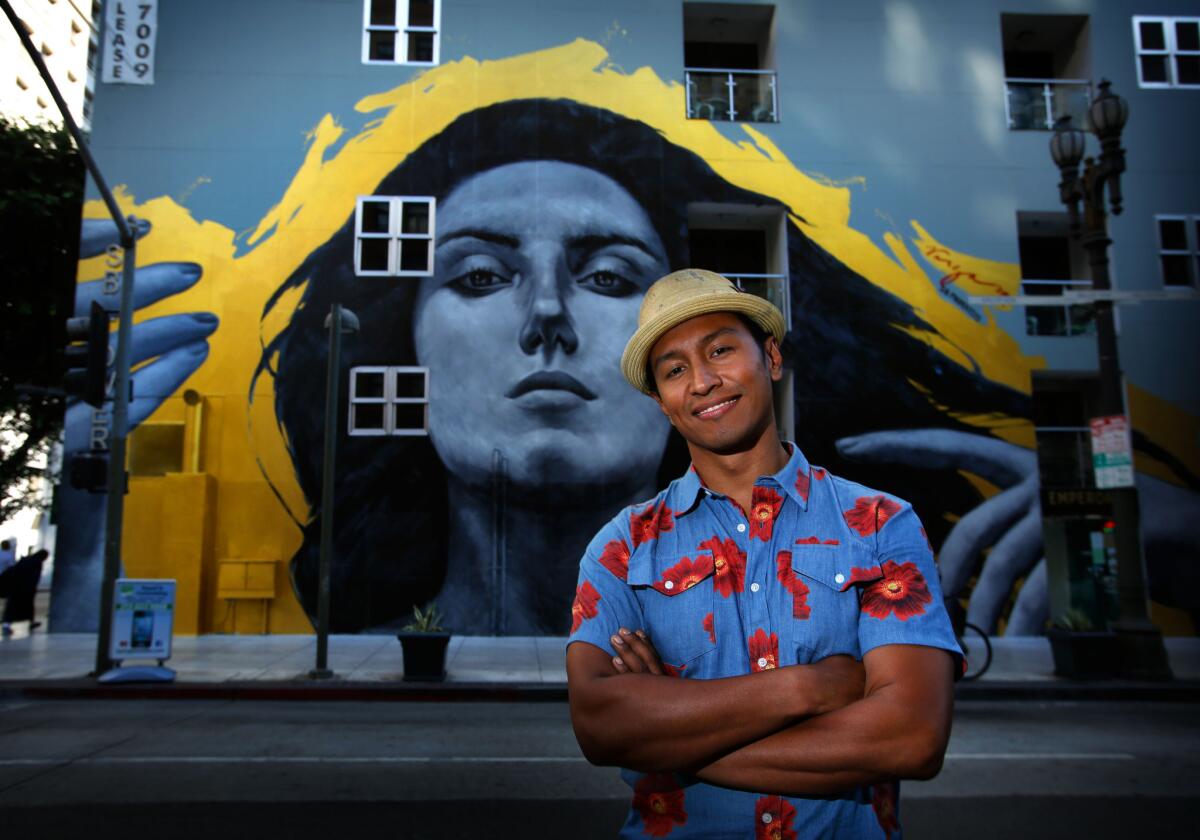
394, 234
1171, 49
1193, 250
388, 400
402, 30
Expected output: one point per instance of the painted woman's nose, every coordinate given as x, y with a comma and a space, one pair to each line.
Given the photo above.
548, 323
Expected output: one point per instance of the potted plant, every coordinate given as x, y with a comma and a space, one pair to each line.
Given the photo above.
1080, 651
424, 642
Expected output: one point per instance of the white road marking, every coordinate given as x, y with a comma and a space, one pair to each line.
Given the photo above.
472, 759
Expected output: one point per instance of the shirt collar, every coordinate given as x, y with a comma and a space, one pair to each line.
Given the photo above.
686, 491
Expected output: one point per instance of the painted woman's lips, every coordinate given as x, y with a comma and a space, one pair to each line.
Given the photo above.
550, 380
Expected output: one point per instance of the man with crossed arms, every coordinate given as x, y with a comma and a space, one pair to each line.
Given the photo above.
763, 645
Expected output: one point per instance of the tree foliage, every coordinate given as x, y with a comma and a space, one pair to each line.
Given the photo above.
41, 192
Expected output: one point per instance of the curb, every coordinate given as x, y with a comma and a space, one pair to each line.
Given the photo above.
496, 692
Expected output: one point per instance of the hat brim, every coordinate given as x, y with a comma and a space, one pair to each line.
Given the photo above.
633, 360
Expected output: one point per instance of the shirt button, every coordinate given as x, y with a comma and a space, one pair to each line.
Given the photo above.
754, 587
762, 662
671, 584
839, 578
766, 817
741, 527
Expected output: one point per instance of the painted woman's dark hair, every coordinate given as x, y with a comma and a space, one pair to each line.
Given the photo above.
850, 347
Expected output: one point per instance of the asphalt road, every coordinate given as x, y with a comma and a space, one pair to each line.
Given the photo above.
230, 769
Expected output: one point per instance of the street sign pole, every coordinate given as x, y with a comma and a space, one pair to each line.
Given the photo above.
120, 416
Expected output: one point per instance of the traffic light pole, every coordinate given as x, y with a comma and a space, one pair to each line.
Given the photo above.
115, 510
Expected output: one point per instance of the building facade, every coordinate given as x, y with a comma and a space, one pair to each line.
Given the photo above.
489, 187
65, 32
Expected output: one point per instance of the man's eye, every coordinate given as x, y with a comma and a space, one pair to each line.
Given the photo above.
608, 283
720, 351
479, 281
675, 371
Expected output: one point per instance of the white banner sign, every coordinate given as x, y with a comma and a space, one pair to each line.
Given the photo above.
143, 619
129, 30
1112, 452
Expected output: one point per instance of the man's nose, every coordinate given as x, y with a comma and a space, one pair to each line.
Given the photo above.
704, 378
548, 321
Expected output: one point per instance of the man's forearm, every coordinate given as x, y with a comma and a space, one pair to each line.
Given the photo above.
893, 733
654, 723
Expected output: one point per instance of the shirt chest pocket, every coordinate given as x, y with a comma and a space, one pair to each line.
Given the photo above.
676, 595
827, 581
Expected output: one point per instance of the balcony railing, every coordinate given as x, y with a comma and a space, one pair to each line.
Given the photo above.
772, 287
1065, 456
732, 95
1037, 104
1061, 319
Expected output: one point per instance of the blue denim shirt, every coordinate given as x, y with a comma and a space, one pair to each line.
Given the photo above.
818, 566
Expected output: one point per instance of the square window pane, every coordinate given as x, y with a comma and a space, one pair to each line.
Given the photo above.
1187, 35
420, 46
1045, 320
410, 385
1187, 69
420, 13
415, 217
366, 417
1172, 234
1083, 319
374, 255
1176, 269
414, 254
382, 46
1153, 36
374, 216
410, 416
1154, 68
368, 383
383, 12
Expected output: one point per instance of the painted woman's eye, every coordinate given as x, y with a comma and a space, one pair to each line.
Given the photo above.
607, 283
478, 282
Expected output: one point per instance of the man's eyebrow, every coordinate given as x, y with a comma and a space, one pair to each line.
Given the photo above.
675, 352
480, 233
596, 241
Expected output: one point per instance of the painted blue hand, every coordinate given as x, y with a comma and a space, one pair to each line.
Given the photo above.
1010, 522
165, 352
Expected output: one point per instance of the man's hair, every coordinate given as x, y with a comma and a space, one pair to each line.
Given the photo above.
757, 333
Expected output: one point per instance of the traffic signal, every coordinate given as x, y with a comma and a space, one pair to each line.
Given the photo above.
87, 356
89, 471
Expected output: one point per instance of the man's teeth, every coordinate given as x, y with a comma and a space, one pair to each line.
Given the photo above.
713, 408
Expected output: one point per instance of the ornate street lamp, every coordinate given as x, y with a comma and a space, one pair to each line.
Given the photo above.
1141, 646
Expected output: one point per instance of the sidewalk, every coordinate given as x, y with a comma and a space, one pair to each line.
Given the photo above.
479, 667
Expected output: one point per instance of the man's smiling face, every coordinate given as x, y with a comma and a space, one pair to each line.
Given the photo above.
714, 382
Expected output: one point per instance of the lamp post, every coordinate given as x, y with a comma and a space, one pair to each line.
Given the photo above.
339, 322
1140, 641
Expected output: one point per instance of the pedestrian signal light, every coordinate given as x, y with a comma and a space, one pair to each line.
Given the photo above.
89, 471
87, 356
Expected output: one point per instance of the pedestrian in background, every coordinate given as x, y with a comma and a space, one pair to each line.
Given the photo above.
18, 584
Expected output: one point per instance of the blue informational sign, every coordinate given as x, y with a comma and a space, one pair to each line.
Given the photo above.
143, 618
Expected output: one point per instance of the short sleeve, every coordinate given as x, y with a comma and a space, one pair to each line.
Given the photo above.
905, 606
603, 600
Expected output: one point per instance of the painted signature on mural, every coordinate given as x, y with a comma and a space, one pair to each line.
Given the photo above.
940, 255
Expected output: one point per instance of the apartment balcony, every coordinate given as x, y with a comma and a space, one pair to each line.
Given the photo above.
1037, 104
732, 95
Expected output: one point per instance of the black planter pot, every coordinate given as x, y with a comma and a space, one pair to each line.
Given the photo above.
424, 655
1084, 655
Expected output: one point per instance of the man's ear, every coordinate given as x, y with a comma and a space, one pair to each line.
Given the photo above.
774, 358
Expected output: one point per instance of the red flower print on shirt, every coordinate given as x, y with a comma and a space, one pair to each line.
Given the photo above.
883, 803
615, 558
793, 584
928, 544
870, 513
773, 817
858, 576
672, 671
584, 606
651, 522
729, 563
659, 801
815, 541
684, 575
802, 482
901, 590
764, 507
764, 651
710, 629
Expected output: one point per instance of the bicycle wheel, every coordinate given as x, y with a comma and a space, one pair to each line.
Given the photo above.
977, 648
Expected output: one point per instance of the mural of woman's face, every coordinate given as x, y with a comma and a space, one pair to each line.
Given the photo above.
540, 270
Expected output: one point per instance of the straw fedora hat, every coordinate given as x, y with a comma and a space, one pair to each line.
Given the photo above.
681, 296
